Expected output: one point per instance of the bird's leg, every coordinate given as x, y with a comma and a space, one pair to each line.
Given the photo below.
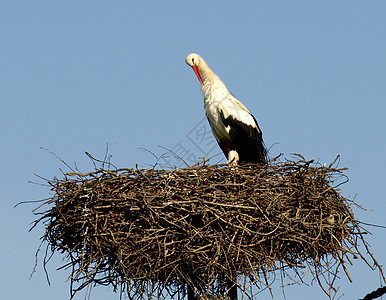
233, 156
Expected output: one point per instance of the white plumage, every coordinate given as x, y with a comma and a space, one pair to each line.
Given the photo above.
234, 127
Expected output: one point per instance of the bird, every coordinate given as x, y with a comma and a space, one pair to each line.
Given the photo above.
234, 127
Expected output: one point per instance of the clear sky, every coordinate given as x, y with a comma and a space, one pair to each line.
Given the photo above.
76, 75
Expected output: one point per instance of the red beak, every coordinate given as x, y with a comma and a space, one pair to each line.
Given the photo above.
198, 74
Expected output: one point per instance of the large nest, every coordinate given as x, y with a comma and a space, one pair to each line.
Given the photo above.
204, 227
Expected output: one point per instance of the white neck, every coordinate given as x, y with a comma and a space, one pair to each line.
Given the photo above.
212, 88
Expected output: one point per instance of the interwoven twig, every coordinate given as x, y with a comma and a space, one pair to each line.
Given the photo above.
206, 227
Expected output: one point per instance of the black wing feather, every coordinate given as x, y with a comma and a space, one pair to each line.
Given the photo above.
246, 140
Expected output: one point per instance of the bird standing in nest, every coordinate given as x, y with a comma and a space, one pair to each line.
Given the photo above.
234, 127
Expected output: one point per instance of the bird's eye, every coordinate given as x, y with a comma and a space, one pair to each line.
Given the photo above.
193, 60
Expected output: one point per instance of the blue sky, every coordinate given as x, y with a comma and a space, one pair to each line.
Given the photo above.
77, 75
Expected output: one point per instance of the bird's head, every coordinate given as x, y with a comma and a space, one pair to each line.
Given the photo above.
193, 60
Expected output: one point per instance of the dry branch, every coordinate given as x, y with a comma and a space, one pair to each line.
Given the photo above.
156, 231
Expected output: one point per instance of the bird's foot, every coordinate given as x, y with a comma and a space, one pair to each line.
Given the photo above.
233, 158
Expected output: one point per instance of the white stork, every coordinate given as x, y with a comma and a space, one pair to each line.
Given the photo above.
234, 127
